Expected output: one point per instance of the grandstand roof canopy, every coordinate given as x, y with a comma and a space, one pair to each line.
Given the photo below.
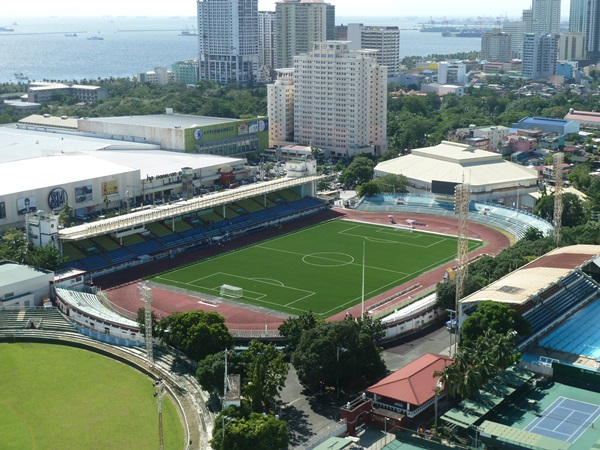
165, 120
458, 163
518, 286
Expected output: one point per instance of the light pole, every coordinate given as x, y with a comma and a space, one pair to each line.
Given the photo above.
386, 420
438, 387
229, 419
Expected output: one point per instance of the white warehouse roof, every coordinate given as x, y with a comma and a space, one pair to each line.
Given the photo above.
457, 163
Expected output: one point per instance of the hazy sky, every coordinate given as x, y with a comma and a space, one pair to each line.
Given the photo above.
391, 8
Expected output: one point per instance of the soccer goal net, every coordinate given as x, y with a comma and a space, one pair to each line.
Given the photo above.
232, 291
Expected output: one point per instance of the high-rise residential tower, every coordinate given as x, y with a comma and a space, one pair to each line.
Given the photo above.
340, 100
298, 25
228, 40
496, 46
545, 16
384, 39
592, 30
577, 16
266, 45
539, 55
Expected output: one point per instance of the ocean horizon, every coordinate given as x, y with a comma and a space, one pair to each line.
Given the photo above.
46, 48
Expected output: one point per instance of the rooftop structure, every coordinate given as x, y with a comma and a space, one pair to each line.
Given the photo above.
558, 126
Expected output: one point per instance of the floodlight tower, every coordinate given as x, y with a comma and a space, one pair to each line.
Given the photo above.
160, 391
461, 208
146, 294
558, 200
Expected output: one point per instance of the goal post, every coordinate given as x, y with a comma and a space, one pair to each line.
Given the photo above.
231, 291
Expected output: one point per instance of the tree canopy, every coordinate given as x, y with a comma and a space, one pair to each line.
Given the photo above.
196, 333
497, 317
241, 429
359, 171
14, 246
339, 353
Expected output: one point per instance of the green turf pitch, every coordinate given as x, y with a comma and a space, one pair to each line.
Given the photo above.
319, 268
58, 397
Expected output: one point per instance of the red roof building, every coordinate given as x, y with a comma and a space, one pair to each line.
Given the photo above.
412, 389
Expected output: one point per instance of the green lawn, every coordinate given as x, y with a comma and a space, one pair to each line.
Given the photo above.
319, 268
57, 397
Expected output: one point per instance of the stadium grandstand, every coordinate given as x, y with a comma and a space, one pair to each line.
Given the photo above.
546, 291
515, 221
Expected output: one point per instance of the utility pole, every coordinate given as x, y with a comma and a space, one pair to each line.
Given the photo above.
160, 386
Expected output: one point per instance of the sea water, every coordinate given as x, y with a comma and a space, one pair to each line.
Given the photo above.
39, 48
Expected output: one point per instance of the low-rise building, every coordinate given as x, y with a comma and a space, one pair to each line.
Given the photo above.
160, 75
41, 92
22, 286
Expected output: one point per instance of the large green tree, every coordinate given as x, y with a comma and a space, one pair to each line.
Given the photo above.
573, 209
358, 172
240, 429
14, 246
494, 316
340, 353
196, 333
293, 328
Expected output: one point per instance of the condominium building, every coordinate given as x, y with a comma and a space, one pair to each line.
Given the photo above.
340, 100
571, 47
539, 56
280, 97
496, 47
452, 73
384, 39
545, 16
266, 45
577, 16
160, 75
228, 40
186, 72
516, 29
298, 25
592, 29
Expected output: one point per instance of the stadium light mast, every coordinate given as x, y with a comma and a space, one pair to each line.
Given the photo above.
146, 294
463, 194
558, 159
362, 302
160, 391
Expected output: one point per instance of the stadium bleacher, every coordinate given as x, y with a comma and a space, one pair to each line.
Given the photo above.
209, 224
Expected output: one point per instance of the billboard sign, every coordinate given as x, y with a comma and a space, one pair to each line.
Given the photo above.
26, 205
84, 194
110, 188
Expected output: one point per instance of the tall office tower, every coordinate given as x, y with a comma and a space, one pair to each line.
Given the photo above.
545, 15
527, 17
280, 98
571, 47
228, 40
577, 15
384, 39
298, 25
496, 47
539, 55
340, 100
266, 45
516, 29
592, 29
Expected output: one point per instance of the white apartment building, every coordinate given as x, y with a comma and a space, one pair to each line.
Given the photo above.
340, 100
266, 45
384, 39
496, 47
228, 40
539, 56
280, 97
452, 73
160, 75
186, 72
298, 25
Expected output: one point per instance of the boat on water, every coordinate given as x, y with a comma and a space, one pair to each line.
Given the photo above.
188, 32
21, 76
70, 34
95, 38
6, 29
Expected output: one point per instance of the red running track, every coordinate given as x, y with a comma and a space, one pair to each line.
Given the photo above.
122, 288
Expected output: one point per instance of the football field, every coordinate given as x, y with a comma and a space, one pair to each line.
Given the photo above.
319, 268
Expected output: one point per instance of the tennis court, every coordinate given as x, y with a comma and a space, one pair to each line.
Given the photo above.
320, 268
565, 419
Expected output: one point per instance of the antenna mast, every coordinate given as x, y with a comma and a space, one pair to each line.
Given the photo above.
558, 201
160, 391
